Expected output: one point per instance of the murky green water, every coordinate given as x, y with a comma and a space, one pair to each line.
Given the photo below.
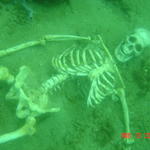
56, 77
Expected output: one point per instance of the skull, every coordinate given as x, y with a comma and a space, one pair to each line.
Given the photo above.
133, 45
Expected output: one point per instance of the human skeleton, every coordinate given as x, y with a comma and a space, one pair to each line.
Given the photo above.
91, 59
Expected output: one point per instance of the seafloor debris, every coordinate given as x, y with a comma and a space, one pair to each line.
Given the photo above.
27, 8
23, 4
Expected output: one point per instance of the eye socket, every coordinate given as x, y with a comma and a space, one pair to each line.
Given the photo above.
123, 43
138, 47
132, 39
130, 47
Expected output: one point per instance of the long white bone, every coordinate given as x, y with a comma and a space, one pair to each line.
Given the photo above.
27, 129
42, 41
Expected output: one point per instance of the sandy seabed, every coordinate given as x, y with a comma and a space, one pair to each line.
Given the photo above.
76, 127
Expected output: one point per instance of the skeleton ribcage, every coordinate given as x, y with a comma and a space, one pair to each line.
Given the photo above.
102, 86
88, 61
79, 60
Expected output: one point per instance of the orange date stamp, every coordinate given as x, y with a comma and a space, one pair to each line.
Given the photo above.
136, 135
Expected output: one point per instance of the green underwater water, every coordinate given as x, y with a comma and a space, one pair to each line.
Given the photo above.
75, 126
